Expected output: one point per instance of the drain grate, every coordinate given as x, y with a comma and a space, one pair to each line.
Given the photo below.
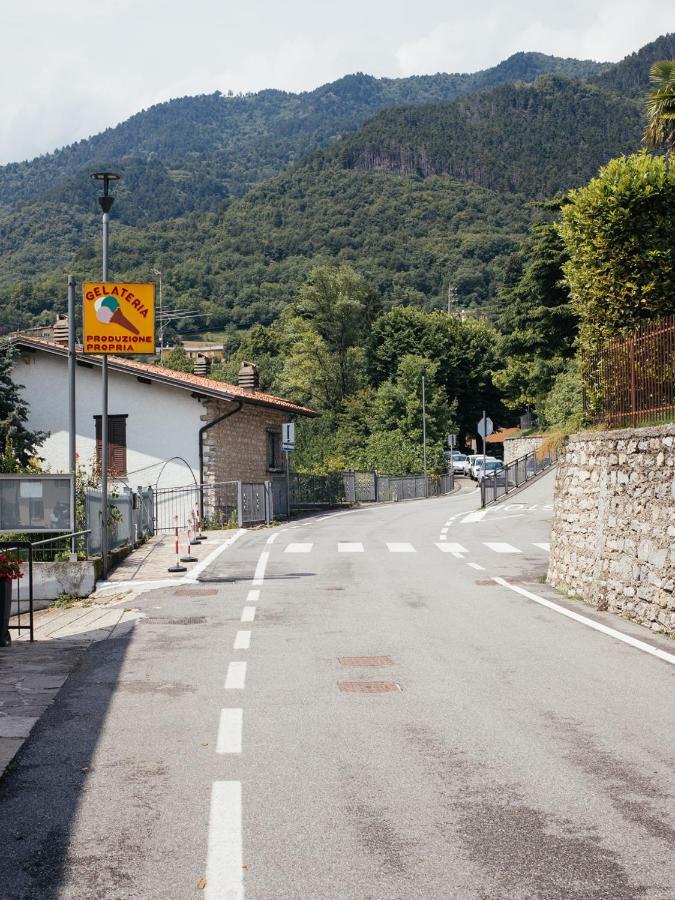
359, 661
196, 592
165, 620
368, 687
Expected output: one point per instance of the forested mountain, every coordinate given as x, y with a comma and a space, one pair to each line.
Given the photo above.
420, 198
192, 152
630, 77
531, 139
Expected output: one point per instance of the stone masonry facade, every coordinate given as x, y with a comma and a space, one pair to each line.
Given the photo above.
516, 447
613, 538
236, 449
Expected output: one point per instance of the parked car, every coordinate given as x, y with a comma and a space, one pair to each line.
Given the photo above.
470, 460
478, 463
459, 463
492, 468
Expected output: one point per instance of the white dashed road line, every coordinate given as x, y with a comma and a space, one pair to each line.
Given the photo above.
253, 596
476, 567
248, 614
236, 676
272, 538
498, 547
544, 546
455, 549
229, 731
596, 626
299, 548
225, 860
401, 548
242, 640
350, 547
259, 575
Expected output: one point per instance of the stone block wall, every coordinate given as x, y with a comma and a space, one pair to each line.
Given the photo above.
516, 447
236, 448
613, 538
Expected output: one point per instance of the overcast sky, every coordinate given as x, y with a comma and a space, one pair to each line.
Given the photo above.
69, 69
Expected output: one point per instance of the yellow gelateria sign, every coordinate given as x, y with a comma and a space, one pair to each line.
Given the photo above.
118, 317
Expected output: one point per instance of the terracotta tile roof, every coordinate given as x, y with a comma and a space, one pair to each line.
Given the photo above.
502, 434
186, 380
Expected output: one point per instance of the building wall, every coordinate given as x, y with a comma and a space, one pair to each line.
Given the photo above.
514, 448
613, 539
162, 421
236, 448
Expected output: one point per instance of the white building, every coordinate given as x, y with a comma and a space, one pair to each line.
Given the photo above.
166, 428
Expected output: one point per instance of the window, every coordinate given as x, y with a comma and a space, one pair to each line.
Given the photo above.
274, 457
117, 444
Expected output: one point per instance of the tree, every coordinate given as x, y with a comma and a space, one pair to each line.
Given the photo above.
619, 233
660, 130
18, 445
178, 359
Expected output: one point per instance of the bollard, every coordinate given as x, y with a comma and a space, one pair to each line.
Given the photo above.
196, 537
202, 537
177, 567
188, 557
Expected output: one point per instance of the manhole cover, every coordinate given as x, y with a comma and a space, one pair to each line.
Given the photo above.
196, 592
368, 687
163, 620
365, 660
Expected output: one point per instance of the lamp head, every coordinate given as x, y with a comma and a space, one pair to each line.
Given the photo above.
106, 201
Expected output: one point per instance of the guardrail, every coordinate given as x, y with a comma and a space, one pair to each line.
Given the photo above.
24, 550
514, 474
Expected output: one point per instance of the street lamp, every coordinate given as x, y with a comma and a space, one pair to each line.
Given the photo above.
161, 320
105, 202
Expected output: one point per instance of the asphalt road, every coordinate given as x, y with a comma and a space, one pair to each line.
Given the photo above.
509, 752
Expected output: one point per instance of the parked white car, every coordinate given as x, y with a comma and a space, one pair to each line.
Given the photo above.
478, 464
491, 467
460, 463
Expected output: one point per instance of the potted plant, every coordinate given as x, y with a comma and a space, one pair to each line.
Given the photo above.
10, 570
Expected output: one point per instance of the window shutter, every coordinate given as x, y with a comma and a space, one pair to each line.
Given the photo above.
117, 444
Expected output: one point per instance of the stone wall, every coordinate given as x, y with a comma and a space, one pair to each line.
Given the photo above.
236, 448
516, 447
613, 539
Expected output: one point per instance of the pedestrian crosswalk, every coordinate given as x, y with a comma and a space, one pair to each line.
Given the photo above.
459, 551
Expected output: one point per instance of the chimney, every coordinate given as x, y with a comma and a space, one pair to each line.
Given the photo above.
201, 365
248, 376
60, 330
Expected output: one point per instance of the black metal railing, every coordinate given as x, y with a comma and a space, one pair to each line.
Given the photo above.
22, 550
495, 485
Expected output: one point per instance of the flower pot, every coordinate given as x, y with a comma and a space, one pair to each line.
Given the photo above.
5, 610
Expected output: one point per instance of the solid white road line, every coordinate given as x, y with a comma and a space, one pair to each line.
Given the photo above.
544, 546
236, 676
204, 563
501, 548
476, 567
242, 640
229, 731
224, 862
272, 538
248, 614
455, 549
253, 596
350, 547
299, 548
596, 626
259, 575
401, 548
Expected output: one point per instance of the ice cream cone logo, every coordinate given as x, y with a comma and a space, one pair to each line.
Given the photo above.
108, 311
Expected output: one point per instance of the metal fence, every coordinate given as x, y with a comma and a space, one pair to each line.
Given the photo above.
498, 484
631, 381
130, 518
220, 505
341, 488
22, 588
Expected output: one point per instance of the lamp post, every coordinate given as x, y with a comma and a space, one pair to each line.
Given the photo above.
424, 435
161, 319
105, 202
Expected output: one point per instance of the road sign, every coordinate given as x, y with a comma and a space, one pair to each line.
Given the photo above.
288, 436
485, 426
118, 318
